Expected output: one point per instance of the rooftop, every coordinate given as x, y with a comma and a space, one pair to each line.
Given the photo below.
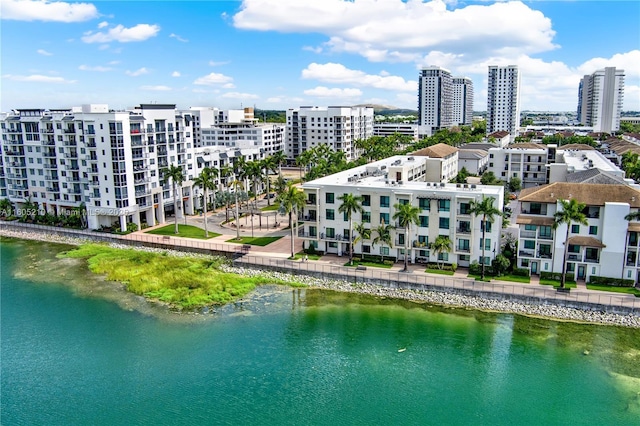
584, 160
587, 193
440, 150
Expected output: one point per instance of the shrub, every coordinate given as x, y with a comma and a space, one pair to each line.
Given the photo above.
499, 265
520, 272
311, 249
132, 227
550, 276
454, 266
475, 268
614, 282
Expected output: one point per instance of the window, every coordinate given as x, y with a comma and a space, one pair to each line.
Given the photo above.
366, 249
487, 243
575, 229
329, 197
529, 244
525, 263
444, 223
424, 221
330, 213
593, 230
331, 233
366, 200
366, 217
345, 216
486, 225
423, 240
464, 208
573, 248
384, 218
463, 245
530, 227
545, 232
443, 256
384, 201
403, 201
443, 205
591, 254
401, 239
424, 203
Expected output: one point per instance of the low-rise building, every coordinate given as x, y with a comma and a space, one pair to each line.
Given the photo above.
475, 161
444, 210
389, 129
526, 161
442, 162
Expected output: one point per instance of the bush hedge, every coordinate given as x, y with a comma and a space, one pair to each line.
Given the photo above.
614, 282
520, 272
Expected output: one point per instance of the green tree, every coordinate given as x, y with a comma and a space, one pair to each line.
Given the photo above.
515, 184
292, 200
442, 244
206, 181
6, 207
383, 237
176, 176
406, 215
571, 211
269, 165
488, 211
237, 186
279, 158
488, 178
500, 264
350, 204
363, 233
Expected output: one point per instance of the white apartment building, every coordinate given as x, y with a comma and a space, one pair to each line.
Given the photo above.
441, 160
600, 99
577, 158
268, 137
503, 99
389, 129
475, 161
608, 246
336, 126
400, 179
526, 161
462, 101
435, 100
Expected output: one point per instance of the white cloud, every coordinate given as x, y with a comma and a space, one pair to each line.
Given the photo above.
45, 10
629, 62
137, 72
103, 24
317, 49
325, 92
114, 62
213, 78
229, 86
217, 64
397, 30
237, 95
338, 73
103, 47
177, 37
156, 88
175, 74
37, 78
94, 68
44, 52
121, 34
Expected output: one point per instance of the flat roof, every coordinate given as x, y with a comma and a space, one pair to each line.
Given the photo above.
588, 159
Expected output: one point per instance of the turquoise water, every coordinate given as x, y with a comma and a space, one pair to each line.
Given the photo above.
297, 357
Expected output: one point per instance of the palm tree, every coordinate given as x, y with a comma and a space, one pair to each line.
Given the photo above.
225, 173
571, 212
175, 174
442, 244
292, 200
206, 181
383, 237
406, 214
488, 211
633, 216
237, 184
268, 164
364, 233
350, 204
279, 158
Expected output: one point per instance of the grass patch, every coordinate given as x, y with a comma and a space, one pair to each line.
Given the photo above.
439, 271
301, 254
486, 279
358, 262
186, 282
507, 277
614, 289
556, 284
254, 241
185, 231
270, 208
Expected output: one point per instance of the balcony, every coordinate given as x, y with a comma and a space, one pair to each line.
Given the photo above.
591, 260
309, 218
137, 131
526, 253
72, 167
574, 257
47, 142
527, 234
303, 234
70, 131
464, 212
50, 165
70, 143
15, 153
545, 237
143, 192
70, 155
535, 212
463, 230
53, 189
47, 130
464, 249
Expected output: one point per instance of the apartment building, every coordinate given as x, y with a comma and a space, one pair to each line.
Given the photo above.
389, 129
336, 126
600, 99
607, 246
503, 99
444, 210
462, 101
526, 161
441, 160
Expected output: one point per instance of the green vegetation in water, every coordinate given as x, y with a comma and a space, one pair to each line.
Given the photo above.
556, 284
615, 289
185, 282
185, 231
254, 241
438, 271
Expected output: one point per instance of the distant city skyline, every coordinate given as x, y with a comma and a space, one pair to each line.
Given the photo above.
279, 54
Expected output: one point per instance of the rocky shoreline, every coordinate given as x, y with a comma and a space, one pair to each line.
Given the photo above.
549, 311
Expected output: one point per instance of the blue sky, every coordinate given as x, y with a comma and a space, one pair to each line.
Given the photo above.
277, 54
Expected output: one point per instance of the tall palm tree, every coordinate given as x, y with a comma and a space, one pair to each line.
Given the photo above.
269, 165
364, 233
292, 200
206, 181
176, 175
383, 237
442, 244
571, 212
488, 211
279, 158
225, 173
350, 204
237, 185
633, 216
406, 215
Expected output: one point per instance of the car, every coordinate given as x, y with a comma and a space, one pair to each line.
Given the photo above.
513, 196
272, 195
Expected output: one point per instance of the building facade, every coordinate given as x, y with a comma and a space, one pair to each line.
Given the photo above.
600, 99
462, 101
435, 100
525, 161
444, 210
336, 126
503, 99
389, 129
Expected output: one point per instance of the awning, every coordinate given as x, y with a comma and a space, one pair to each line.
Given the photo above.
634, 227
586, 241
223, 155
533, 220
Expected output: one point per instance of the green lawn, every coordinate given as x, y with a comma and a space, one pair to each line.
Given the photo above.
556, 284
185, 231
301, 254
508, 277
439, 271
272, 207
603, 287
358, 262
254, 241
